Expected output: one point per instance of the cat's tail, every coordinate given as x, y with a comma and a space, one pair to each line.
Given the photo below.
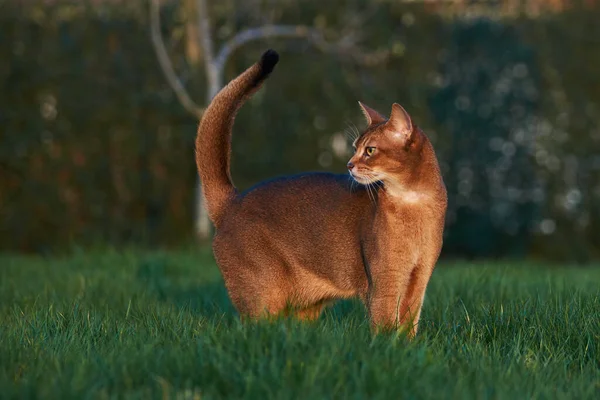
213, 141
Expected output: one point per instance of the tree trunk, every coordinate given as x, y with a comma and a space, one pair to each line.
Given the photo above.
194, 56
203, 227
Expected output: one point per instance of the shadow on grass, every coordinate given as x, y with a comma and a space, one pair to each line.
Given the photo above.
208, 298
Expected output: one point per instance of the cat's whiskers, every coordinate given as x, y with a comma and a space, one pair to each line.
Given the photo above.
373, 192
375, 183
378, 184
372, 177
371, 197
351, 132
349, 135
355, 129
352, 182
372, 185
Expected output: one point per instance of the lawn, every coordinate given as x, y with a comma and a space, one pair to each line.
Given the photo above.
133, 324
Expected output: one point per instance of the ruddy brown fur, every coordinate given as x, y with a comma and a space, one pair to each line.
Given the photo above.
301, 242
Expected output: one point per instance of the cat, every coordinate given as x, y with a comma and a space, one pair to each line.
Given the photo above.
294, 244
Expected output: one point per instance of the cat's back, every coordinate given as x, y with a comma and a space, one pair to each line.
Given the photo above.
307, 183
316, 192
315, 204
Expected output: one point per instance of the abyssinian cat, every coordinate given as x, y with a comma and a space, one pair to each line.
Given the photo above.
294, 244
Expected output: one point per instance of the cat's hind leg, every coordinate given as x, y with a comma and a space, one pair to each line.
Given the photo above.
310, 313
255, 281
254, 300
255, 292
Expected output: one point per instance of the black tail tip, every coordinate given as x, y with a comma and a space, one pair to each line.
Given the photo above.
269, 59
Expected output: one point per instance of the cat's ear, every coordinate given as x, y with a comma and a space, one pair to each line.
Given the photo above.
372, 116
400, 122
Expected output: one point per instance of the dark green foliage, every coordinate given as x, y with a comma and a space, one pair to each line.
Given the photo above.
568, 132
95, 147
91, 137
138, 325
487, 97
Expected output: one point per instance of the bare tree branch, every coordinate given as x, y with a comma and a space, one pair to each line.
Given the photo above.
166, 65
264, 32
345, 46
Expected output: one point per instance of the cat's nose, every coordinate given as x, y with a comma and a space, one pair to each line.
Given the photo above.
350, 165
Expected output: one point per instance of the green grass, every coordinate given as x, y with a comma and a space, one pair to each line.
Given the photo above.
147, 325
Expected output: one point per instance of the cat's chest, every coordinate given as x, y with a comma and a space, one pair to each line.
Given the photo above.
407, 221
409, 234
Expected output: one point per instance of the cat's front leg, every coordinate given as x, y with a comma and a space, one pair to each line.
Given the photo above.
386, 293
412, 302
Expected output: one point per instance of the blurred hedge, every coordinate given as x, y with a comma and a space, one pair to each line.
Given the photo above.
95, 146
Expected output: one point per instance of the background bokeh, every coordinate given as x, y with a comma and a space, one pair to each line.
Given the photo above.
95, 147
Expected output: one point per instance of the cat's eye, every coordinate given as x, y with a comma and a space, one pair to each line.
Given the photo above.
369, 151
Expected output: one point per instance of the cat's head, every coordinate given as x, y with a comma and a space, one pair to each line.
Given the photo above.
389, 150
